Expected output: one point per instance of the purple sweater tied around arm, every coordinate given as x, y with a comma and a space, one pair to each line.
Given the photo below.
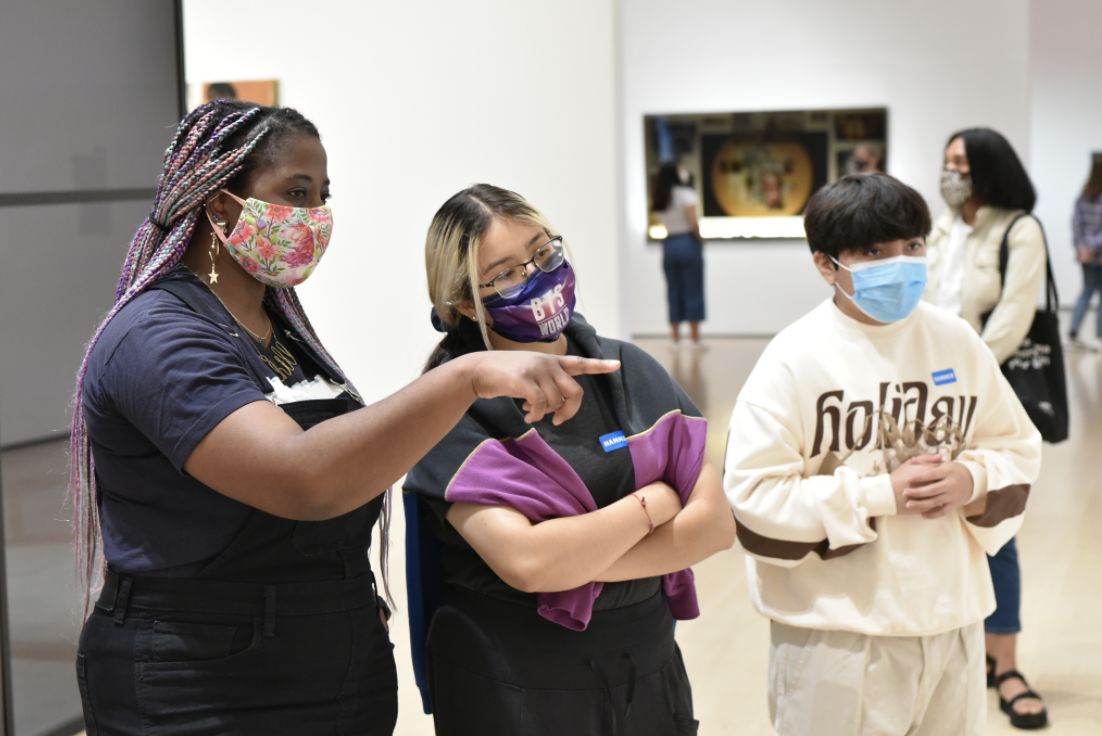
527, 475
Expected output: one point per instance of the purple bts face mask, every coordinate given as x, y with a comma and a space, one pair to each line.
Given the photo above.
540, 312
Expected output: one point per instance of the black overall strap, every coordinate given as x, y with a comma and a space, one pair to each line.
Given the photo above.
268, 549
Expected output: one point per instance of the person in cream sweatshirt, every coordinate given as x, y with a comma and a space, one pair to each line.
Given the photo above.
874, 454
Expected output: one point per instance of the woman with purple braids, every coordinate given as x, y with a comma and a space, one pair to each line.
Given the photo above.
547, 563
224, 467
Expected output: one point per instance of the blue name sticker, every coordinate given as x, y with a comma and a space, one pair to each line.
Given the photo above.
943, 377
613, 441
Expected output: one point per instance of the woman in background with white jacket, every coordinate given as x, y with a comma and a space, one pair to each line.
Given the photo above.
991, 197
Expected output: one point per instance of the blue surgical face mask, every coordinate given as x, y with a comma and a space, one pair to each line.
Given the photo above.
887, 290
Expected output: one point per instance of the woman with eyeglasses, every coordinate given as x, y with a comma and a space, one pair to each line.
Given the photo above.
549, 561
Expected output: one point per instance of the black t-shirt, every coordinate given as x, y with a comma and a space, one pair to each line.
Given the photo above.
609, 476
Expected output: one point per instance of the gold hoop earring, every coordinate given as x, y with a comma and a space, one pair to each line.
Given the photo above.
213, 253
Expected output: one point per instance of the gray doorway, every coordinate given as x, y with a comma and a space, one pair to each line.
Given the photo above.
91, 92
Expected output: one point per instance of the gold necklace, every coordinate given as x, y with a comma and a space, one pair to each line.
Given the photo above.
283, 361
258, 338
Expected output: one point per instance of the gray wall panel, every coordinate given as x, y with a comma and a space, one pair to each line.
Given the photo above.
58, 268
89, 97
89, 93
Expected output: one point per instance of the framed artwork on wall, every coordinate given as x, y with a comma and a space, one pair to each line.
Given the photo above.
260, 91
754, 171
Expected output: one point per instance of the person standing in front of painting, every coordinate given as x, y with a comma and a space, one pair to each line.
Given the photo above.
675, 202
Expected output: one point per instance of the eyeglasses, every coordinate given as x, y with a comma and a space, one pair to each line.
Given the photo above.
511, 281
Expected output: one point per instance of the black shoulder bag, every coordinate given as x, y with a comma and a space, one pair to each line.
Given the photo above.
1036, 370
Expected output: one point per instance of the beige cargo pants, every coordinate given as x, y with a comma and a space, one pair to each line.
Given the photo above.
838, 683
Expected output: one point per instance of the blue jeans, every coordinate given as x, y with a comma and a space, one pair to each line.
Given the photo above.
683, 262
1007, 577
1092, 282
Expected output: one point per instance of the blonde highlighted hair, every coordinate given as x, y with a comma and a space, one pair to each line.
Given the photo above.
451, 260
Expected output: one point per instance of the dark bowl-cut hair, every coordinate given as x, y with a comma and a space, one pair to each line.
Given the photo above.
863, 209
998, 177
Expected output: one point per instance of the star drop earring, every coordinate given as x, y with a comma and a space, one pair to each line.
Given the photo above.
212, 277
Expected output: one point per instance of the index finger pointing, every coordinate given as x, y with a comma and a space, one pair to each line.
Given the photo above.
575, 365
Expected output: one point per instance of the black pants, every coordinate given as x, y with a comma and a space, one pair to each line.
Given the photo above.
192, 673
497, 669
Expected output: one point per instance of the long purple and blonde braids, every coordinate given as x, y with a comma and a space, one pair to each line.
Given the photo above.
213, 145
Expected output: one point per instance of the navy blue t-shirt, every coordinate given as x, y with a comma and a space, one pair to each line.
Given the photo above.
159, 379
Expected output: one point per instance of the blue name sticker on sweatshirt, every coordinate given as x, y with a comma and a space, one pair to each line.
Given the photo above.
613, 441
943, 377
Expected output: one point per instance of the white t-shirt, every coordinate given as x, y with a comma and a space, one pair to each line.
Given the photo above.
952, 273
674, 217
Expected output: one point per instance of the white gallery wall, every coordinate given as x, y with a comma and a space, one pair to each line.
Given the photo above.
1065, 119
937, 66
416, 100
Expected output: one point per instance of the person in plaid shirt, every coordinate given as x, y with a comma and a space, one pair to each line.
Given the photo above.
1087, 237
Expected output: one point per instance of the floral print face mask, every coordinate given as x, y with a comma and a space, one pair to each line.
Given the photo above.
278, 245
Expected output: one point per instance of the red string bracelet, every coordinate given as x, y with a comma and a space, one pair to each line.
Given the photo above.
643, 502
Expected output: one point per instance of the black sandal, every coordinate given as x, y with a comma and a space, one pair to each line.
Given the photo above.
1021, 720
990, 671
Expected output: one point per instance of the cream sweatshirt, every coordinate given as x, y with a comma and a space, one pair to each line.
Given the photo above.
833, 406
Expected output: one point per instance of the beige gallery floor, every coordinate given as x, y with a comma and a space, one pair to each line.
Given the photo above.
1061, 549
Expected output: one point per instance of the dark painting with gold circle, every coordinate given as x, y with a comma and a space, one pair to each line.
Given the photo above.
748, 176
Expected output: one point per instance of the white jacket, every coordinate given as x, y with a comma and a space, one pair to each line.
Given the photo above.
1016, 303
